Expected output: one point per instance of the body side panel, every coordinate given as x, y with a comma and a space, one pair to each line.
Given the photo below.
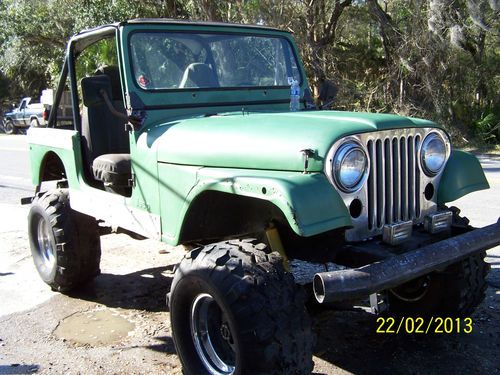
145, 192
114, 209
64, 143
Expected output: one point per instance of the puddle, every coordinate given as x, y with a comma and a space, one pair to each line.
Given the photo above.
94, 328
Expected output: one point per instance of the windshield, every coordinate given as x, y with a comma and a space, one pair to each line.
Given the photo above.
164, 60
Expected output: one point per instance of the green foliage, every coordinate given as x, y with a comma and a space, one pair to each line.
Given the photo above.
97, 55
33, 34
487, 128
428, 58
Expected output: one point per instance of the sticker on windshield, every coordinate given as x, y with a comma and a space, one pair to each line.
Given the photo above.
143, 81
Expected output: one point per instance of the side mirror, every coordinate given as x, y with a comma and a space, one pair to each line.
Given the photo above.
92, 88
327, 93
308, 99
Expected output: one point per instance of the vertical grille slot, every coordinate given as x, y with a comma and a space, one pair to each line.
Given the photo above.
393, 183
404, 179
396, 174
389, 185
381, 188
372, 186
417, 178
411, 177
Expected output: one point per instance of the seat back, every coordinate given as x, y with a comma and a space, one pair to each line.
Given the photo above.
102, 132
113, 73
120, 142
198, 75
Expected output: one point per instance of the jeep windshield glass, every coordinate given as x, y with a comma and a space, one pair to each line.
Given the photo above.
164, 60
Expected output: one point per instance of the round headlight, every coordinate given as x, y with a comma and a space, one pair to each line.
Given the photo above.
349, 166
433, 154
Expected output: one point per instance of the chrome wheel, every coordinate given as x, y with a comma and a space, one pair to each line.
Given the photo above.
8, 127
212, 336
44, 243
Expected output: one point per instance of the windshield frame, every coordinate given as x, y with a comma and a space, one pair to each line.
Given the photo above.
245, 33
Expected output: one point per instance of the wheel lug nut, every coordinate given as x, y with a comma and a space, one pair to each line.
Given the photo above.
225, 332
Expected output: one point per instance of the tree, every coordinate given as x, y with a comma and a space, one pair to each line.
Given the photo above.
427, 58
34, 33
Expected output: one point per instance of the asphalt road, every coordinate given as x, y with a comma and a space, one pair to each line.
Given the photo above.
15, 178
119, 324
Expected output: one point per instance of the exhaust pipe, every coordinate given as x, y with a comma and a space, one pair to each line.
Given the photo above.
394, 271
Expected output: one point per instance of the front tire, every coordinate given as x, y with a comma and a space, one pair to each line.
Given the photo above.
65, 244
34, 123
456, 291
234, 310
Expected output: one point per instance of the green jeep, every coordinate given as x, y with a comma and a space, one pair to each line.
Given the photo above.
183, 132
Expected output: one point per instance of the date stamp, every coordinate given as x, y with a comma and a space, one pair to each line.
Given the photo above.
432, 325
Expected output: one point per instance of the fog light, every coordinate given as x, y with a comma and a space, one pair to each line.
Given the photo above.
396, 233
438, 222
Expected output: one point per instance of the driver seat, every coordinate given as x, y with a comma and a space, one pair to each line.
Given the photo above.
105, 141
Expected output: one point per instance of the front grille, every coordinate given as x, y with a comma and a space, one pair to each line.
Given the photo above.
394, 180
395, 186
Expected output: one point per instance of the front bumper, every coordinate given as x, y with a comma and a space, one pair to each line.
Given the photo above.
363, 281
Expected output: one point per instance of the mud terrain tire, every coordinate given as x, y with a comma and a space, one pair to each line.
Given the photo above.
65, 244
456, 291
252, 299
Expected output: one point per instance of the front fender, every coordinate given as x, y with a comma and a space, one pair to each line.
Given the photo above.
308, 201
463, 174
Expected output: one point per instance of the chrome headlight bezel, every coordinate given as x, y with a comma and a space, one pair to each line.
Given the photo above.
426, 164
338, 161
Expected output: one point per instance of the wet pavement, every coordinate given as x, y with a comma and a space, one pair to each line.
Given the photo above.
99, 327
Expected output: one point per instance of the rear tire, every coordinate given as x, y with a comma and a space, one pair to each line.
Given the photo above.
456, 291
34, 123
9, 127
247, 305
65, 244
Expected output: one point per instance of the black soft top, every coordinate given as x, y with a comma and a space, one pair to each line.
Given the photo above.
194, 23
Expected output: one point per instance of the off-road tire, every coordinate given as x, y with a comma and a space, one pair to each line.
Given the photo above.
269, 325
456, 291
71, 239
9, 127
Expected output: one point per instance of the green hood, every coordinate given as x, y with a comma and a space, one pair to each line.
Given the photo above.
271, 141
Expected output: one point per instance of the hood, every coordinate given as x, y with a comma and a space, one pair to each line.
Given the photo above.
271, 141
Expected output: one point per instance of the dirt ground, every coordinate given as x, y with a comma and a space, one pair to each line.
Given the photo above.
118, 324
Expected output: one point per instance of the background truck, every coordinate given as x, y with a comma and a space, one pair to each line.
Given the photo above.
182, 132
36, 114
25, 115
